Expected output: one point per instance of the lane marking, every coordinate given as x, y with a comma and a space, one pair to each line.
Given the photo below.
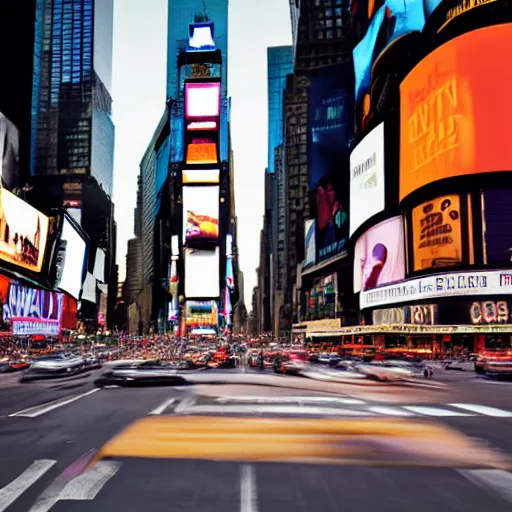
290, 399
81, 488
276, 409
12, 491
496, 480
161, 408
248, 494
434, 411
389, 410
185, 403
39, 410
485, 410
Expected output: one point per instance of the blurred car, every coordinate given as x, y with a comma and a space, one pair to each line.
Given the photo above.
55, 365
13, 364
391, 370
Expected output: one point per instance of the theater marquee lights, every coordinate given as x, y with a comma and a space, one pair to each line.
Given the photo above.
452, 111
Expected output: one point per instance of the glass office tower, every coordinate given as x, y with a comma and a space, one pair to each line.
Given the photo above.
73, 133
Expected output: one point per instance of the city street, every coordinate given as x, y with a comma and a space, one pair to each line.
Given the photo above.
53, 431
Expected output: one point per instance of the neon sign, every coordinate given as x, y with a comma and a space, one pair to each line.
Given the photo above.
202, 125
489, 312
33, 311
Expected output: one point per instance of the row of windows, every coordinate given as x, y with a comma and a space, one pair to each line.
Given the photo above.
329, 34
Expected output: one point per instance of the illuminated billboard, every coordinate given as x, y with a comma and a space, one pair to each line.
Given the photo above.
322, 298
379, 255
367, 191
71, 259
202, 99
454, 127
201, 36
23, 233
310, 242
201, 313
202, 151
205, 176
201, 125
200, 214
437, 228
202, 273
9, 154
32, 311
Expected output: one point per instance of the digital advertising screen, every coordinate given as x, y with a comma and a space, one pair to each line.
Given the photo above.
200, 214
310, 242
202, 151
202, 99
9, 153
206, 176
200, 126
329, 120
379, 255
367, 190
453, 127
23, 233
331, 218
497, 226
437, 233
202, 273
32, 311
71, 260
201, 36
321, 300
201, 313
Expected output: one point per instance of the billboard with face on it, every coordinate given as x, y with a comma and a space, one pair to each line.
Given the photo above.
329, 120
367, 191
453, 126
331, 218
9, 154
310, 242
379, 255
437, 228
202, 100
200, 214
23, 233
202, 273
70, 260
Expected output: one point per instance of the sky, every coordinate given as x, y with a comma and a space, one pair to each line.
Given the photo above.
139, 75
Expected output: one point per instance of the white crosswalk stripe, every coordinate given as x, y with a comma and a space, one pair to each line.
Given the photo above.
292, 399
11, 492
485, 410
434, 411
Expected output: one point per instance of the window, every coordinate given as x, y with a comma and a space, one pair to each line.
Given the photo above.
329, 34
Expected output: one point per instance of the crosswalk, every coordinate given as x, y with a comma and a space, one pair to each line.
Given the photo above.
325, 406
251, 487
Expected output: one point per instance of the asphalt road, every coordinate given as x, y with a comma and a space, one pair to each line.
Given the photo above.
51, 430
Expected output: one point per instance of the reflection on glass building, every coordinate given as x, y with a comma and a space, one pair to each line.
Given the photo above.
71, 110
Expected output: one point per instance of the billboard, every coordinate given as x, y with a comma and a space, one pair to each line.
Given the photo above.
497, 226
23, 233
70, 260
202, 99
331, 218
309, 242
367, 187
202, 273
453, 127
457, 284
322, 298
32, 311
379, 255
201, 313
206, 176
202, 151
200, 214
9, 153
437, 227
329, 120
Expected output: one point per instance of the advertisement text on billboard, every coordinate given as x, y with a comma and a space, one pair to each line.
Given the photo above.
201, 151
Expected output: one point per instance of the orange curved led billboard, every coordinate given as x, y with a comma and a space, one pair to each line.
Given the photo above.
454, 108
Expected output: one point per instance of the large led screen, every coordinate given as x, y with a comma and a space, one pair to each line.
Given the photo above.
9, 153
379, 255
71, 260
497, 226
202, 99
200, 214
437, 232
202, 151
453, 126
200, 176
310, 242
201, 313
23, 233
329, 120
322, 298
202, 273
367, 191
